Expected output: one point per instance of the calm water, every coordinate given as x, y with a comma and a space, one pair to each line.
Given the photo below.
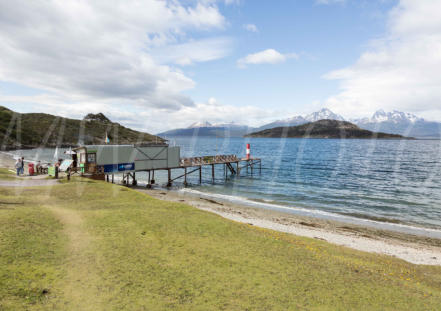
382, 180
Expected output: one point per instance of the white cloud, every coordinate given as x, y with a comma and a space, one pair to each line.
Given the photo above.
188, 53
212, 111
269, 56
149, 120
400, 71
113, 57
101, 51
250, 27
154, 120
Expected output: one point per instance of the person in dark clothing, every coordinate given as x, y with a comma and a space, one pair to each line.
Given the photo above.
22, 165
38, 167
75, 159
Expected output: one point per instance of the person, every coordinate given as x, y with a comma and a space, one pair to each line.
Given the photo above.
38, 167
57, 168
18, 166
74, 159
22, 165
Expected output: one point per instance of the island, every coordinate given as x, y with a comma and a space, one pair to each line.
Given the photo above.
324, 129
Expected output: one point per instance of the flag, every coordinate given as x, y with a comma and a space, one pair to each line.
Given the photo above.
107, 139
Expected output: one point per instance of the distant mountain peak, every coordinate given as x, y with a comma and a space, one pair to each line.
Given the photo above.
379, 116
395, 117
227, 125
398, 122
200, 124
323, 114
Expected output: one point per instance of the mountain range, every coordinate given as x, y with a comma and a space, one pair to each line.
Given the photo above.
207, 129
394, 122
323, 114
324, 128
402, 123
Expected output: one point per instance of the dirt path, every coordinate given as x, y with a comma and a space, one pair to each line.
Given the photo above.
81, 290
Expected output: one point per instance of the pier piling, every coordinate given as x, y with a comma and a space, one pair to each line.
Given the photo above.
212, 172
169, 183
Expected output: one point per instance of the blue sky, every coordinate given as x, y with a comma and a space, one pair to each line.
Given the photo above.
156, 65
326, 37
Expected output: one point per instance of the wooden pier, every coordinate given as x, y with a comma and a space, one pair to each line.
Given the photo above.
231, 163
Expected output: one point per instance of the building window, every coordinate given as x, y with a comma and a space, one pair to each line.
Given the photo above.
91, 157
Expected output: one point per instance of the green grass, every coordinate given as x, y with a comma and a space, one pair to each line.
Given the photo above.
5, 173
97, 246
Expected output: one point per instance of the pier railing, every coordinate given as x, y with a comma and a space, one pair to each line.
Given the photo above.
216, 159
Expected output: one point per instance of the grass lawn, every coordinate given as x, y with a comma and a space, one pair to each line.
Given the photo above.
87, 245
7, 173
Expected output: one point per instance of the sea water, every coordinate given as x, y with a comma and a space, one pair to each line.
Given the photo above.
395, 182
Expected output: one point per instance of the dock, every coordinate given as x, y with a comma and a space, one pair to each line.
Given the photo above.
233, 166
104, 161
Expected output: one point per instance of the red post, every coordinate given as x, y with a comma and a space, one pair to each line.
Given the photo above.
248, 151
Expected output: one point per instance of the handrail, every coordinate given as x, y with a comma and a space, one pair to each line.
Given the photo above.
216, 159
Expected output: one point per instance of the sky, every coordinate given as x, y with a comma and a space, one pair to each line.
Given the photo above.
156, 65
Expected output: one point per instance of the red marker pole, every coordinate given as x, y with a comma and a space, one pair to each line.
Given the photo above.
248, 151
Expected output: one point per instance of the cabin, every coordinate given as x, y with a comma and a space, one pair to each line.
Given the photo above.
112, 159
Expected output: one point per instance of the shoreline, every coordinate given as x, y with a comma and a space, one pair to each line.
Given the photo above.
411, 248
369, 222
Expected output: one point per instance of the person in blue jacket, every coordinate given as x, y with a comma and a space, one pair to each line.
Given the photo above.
18, 166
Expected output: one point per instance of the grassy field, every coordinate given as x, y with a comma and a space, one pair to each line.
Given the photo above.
89, 245
6, 173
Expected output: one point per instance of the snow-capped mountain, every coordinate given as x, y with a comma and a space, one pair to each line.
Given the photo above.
394, 117
299, 120
322, 114
231, 124
200, 124
208, 129
397, 122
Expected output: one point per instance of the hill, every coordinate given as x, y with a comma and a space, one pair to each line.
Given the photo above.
32, 130
323, 129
